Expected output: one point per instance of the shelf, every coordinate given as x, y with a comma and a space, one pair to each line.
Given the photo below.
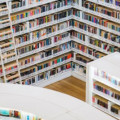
84, 54
45, 58
106, 111
45, 69
31, 6
105, 4
107, 97
41, 49
101, 15
62, 75
106, 82
88, 45
41, 14
13, 76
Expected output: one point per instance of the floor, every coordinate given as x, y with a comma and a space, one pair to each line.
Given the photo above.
71, 86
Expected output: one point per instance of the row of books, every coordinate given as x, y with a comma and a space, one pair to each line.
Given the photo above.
103, 10
21, 3
78, 35
22, 39
33, 58
19, 27
40, 9
50, 18
101, 102
17, 114
117, 3
44, 65
59, 37
109, 36
106, 90
12, 76
103, 45
102, 22
6, 44
40, 33
107, 1
82, 59
3, 8
32, 47
6, 32
48, 74
10, 66
83, 26
106, 76
87, 50
8, 54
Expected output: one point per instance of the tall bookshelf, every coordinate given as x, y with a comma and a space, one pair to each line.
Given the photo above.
42, 31
103, 84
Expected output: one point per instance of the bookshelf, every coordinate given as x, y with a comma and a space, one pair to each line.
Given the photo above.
13, 114
103, 83
30, 29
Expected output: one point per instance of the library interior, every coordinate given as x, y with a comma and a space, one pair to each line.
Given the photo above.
60, 59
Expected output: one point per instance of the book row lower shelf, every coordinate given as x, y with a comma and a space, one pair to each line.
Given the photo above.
12, 113
101, 9
107, 91
106, 106
57, 70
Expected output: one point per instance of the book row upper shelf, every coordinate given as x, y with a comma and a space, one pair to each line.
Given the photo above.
101, 9
102, 22
26, 4
107, 77
35, 11
117, 2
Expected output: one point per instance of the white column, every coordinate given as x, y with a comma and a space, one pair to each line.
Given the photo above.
86, 39
81, 15
97, 31
74, 56
28, 29
80, 3
89, 84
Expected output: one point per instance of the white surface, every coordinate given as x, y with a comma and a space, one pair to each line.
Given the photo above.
47, 104
109, 63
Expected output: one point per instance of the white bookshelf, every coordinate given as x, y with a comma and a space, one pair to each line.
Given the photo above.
62, 21
103, 84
